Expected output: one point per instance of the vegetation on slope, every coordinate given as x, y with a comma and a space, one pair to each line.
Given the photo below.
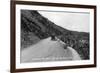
35, 27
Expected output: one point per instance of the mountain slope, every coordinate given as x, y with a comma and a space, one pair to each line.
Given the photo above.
35, 27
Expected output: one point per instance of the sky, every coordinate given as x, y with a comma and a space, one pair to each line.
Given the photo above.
69, 20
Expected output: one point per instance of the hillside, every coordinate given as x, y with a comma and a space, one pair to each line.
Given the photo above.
35, 27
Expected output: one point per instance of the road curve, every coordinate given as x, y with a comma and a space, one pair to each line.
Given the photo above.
48, 50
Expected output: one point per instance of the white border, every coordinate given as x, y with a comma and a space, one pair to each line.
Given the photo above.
57, 63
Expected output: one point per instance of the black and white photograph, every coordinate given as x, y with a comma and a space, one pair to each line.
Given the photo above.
54, 36
48, 36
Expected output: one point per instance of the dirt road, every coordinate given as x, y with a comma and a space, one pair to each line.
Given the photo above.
48, 50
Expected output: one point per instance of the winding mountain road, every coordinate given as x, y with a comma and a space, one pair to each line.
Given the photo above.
48, 50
